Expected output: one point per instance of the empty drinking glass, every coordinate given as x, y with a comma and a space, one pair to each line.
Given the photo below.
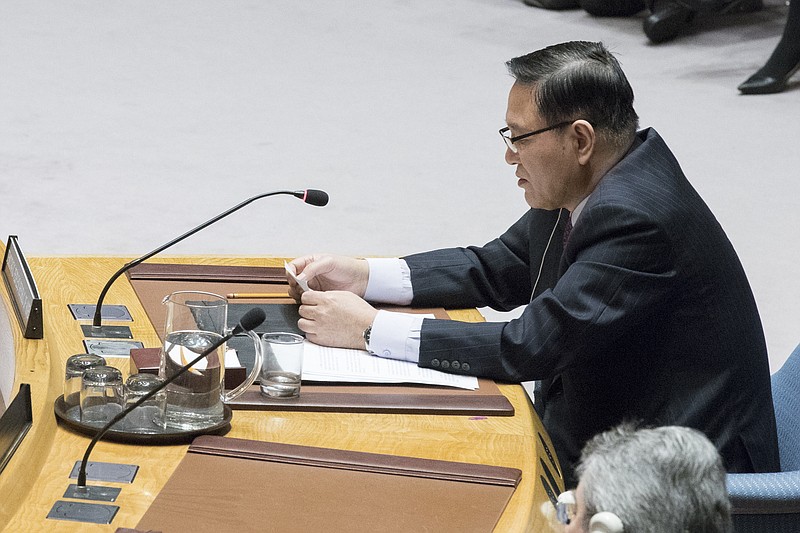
149, 416
76, 365
101, 395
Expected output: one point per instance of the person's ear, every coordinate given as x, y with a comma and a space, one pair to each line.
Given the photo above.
605, 522
585, 140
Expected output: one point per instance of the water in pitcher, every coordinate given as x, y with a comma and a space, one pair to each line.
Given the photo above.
193, 400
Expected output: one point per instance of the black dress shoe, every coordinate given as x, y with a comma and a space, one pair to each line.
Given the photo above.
667, 20
723, 6
760, 83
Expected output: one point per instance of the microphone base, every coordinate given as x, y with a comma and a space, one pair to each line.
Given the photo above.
98, 493
106, 332
115, 312
106, 472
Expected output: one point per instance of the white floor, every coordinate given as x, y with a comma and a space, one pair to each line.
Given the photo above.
123, 124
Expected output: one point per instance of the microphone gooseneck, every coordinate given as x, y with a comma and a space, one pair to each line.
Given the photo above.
251, 320
310, 196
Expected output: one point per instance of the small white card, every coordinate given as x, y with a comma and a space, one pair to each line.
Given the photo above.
290, 270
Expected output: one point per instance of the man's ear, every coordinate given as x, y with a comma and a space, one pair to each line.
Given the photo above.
585, 140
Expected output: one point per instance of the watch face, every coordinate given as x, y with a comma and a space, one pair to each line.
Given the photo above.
367, 333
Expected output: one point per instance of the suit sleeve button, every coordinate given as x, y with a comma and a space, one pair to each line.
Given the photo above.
465, 367
435, 363
445, 364
455, 365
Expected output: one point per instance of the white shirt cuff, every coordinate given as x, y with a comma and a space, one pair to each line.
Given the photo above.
396, 336
389, 281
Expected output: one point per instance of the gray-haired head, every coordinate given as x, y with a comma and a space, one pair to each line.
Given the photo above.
580, 80
661, 480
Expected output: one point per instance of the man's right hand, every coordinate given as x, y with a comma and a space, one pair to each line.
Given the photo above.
325, 272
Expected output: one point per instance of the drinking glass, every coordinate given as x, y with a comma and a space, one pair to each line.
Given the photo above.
76, 365
101, 395
149, 416
282, 367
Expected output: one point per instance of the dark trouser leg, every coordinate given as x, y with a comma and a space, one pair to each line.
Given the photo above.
552, 4
615, 8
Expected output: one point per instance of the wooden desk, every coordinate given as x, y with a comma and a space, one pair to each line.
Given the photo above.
38, 473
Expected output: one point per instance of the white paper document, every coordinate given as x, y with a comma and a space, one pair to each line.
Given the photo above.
322, 363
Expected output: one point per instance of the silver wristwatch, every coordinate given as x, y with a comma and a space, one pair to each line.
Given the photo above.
367, 333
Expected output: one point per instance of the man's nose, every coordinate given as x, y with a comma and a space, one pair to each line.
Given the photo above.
512, 158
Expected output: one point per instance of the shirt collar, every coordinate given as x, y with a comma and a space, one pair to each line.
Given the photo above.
577, 211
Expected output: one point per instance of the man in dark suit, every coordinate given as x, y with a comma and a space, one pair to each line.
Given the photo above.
636, 305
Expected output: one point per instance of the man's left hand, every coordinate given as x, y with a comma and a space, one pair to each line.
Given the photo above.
335, 318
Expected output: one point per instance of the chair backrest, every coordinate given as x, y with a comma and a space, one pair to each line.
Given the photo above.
786, 399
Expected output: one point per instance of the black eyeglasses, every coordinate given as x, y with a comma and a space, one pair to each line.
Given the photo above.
509, 140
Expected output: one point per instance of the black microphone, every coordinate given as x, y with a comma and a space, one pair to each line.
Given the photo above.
314, 197
310, 196
251, 320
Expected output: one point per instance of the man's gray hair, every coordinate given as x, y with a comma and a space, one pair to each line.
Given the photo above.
658, 480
